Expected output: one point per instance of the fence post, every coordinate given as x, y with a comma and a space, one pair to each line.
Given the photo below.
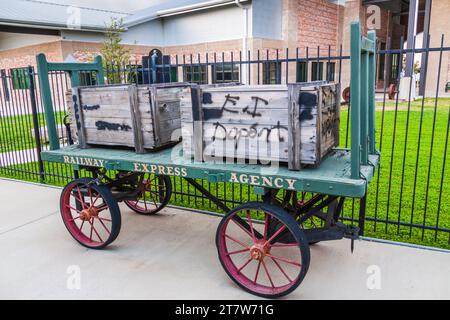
37, 134
42, 66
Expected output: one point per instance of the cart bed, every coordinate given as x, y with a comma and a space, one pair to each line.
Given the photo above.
332, 177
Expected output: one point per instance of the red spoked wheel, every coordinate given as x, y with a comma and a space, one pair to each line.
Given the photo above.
269, 257
90, 213
156, 194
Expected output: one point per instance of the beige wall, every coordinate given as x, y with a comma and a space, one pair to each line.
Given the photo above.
439, 24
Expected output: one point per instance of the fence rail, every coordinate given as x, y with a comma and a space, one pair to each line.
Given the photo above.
407, 200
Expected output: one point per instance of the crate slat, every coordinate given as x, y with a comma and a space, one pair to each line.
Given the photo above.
297, 124
145, 117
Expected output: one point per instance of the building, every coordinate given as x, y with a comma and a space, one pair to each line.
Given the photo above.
193, 30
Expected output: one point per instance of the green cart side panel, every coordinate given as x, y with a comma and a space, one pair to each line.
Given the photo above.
333, 177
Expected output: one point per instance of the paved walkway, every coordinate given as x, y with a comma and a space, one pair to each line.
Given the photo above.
173, 256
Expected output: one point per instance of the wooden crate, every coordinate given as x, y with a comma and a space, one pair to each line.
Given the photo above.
297, 124
144, 117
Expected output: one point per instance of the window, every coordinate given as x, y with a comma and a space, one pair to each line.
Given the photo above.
302, 72
271, 73
88, 78
168, 74
225, 72
173, 74
382, 62
314, 75
331, 70
196, 74
20, 79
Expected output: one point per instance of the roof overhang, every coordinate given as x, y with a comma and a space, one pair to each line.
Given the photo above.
50, 26
184, 9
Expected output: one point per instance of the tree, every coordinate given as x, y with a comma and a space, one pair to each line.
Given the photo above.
114, 54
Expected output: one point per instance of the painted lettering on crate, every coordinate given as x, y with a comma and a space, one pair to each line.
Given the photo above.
88, 107
77, 114
236, 134
103, 125
222, 131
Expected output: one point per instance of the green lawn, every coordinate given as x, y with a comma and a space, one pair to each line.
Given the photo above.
401, 187
16, 132
399, 191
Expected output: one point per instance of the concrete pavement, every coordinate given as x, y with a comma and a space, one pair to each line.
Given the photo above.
173, 256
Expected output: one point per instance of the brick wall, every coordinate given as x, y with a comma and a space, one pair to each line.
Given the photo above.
87, 51
318, 24
25, 56
58, 51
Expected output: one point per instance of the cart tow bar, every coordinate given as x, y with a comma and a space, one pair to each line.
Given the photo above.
352, 233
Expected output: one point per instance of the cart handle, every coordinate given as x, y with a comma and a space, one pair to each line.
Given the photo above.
362, 98
74, 70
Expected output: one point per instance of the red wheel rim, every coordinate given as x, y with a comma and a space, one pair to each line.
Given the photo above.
151, 198
86, 215
262, 264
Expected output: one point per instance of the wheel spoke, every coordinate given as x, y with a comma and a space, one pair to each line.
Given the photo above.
96, 198
104, 219
257, 272
237, 241
267, 272
105, 207
145, 203
281, 269
90, 195
284, 245
251, 225
95, 230
236, 252
72, 220
70, 207
244, 265
285, 260
92, 229
266, 224
81, 198
153, 200
241, 226
276, 234
104, 226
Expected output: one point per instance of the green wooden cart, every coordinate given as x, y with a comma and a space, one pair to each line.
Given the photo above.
263, 246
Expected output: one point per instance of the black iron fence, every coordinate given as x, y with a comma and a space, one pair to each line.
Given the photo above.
406, 202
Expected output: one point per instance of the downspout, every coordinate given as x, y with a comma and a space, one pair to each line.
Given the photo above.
245, 10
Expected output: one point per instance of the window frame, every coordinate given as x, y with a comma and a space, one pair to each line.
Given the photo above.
314, 72
202, 73
275, 68
19, 79
331, 71
234, 72
302, 72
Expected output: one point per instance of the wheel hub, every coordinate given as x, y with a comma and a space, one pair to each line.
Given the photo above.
259, 250
88, 214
